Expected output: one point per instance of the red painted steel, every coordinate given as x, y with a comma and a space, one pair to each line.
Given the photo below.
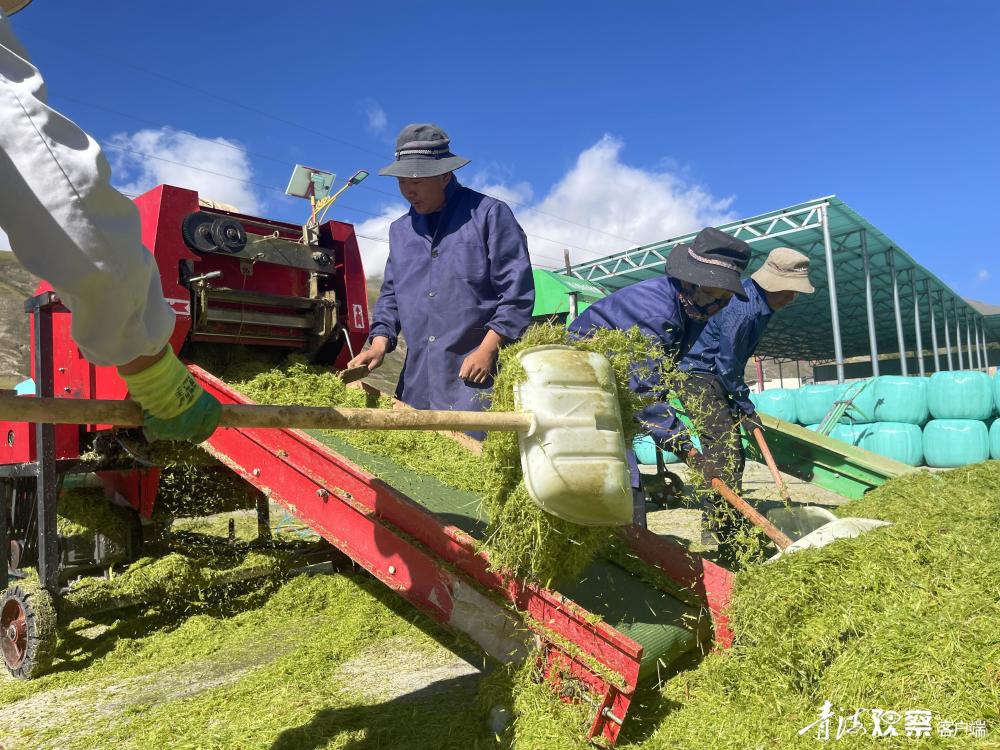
374, 524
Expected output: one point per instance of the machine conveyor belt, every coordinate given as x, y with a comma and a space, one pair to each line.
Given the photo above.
666, 627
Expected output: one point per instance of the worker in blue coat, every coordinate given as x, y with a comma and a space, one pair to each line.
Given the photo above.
718, 359
457, 282
700, 279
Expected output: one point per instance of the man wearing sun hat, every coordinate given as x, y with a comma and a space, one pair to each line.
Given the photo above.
701, 278
457, 282
719, 357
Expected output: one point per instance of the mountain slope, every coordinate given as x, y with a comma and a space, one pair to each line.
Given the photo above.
15, 285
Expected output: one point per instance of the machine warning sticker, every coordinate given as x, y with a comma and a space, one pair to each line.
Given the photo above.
180, 306
357, 317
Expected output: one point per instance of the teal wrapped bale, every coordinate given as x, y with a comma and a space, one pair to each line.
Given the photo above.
645, 451
813, 402
960, 395
855, 434
955, 442
778, 402
899, 441
996, 392
862, 408
901, 399
995, 439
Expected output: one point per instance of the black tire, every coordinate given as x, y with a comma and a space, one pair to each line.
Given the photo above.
27, 630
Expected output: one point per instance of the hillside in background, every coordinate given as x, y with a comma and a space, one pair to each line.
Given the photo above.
15, 285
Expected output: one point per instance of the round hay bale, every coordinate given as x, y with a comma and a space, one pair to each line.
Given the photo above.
778, 402
901, 399
949, 443
960, 395
899, 441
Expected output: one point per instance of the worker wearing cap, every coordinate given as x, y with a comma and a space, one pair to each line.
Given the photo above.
672, 310
457, 282
719, 357
67, 225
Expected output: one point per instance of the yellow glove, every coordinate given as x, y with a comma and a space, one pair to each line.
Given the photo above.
174, 406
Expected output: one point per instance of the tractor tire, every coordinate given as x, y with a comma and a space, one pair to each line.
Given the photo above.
27, 630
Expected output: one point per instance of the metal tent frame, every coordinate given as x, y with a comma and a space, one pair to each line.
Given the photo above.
881, 300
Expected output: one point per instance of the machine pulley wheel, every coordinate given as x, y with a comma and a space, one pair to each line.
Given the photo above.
196, 230
229, 234
27, 630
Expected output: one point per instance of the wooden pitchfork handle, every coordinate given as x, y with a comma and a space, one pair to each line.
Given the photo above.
748, 512
758, 435
129, 414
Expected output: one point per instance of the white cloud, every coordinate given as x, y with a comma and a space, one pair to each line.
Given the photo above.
983, 275
517, 194
618, 206
600, 206
375, 251
217, 168
4, 242
377, 119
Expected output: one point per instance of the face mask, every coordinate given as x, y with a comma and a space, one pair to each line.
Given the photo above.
698, 305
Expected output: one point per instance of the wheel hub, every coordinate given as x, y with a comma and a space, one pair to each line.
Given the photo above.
14, 626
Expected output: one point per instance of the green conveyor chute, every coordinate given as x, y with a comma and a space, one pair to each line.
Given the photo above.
665, 627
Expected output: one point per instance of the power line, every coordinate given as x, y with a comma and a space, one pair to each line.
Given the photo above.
214, 95
114, 147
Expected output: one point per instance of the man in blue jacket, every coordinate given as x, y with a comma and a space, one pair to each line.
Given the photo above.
457, 282
672, 310
719, 357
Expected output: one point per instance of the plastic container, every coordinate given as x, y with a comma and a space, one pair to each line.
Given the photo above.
778, 402
960, 395
899, 441
955, 442
577, 422
862, 409
855, 434
901, 399
813, 402
995, 439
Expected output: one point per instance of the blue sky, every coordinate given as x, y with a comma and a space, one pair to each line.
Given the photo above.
641, 120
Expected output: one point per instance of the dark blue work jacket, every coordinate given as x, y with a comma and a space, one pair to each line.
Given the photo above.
444, 290
652, 305
729, 340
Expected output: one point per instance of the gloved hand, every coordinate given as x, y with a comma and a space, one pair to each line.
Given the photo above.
174, 406
751, 422
705, 465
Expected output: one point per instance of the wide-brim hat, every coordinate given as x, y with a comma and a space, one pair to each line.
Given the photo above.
785, 270
423, 150
713, 258
10, 7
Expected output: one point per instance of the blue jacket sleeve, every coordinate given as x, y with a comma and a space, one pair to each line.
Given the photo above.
385, 317
731, 364
510, 273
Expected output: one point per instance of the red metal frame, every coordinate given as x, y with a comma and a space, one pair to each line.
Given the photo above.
425, 561
162, 211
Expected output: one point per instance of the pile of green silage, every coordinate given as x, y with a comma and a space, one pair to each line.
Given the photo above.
317, 662
903, 618
520, 537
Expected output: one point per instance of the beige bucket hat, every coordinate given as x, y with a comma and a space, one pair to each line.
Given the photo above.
785, 270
